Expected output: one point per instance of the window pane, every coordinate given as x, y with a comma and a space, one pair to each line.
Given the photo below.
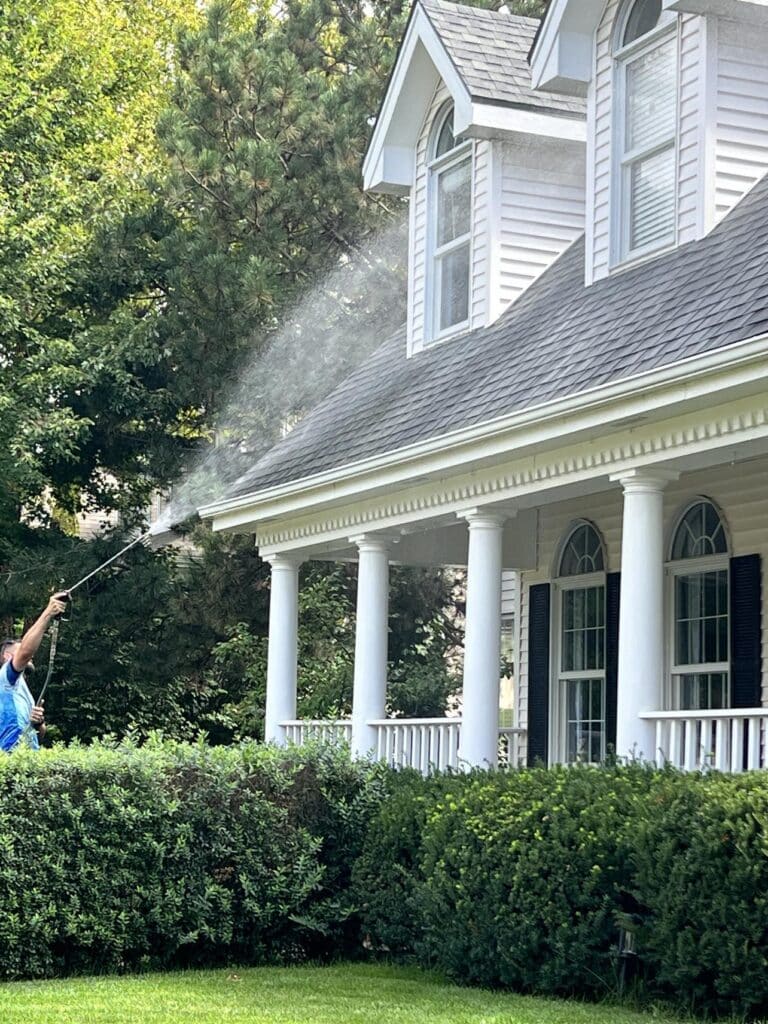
703, 691
445, 141
453, 269
583, 552
585, 720
652, 200
582, 629
651, 100
642, 18
454, 202
701, 618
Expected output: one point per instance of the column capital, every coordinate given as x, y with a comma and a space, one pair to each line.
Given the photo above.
480, 518
646, 480
282, 559
374, 541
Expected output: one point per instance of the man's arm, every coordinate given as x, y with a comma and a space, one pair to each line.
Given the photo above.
32, 639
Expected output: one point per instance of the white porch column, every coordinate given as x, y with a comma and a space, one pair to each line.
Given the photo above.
641, 616
282, 651
479, 742
369, 696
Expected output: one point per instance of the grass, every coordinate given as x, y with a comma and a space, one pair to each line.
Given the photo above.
297, 995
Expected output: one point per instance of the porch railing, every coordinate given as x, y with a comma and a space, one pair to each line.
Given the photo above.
313, 729
422, 743
730, 740
511, 747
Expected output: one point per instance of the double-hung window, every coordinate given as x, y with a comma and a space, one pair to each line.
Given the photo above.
580, 654
450, 175
645, 126
700, 617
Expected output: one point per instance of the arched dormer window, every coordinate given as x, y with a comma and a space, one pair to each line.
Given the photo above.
450, 225
645, 119
700, 645
580, 656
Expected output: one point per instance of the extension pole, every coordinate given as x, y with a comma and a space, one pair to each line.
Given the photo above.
109, 561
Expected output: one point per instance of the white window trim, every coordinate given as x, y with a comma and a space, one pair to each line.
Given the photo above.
557, 697
688, 567
435, 166
621, 257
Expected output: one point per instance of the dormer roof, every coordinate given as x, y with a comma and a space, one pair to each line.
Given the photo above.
481, 56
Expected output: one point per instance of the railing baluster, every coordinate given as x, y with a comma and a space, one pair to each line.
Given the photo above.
753, 744
721, 743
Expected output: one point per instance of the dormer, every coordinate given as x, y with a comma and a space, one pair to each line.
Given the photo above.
495, 171
677, 115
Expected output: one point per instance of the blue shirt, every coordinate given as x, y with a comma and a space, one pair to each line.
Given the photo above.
16, 705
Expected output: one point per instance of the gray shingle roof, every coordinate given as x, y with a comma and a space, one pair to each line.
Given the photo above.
490, 51
559, 338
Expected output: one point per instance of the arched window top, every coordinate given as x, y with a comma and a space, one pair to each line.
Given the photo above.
582, 552
643, 16
700, 533
443, 139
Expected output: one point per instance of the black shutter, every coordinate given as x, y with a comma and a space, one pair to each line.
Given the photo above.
538, 673
612, 597
745, 631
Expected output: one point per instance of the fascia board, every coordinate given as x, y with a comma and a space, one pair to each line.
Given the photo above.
748, 11
406, 100
742, 365
490, 120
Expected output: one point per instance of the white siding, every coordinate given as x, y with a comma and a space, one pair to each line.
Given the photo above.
481, 228
740, 491
600, 141
691, 112
741, 147
541, 214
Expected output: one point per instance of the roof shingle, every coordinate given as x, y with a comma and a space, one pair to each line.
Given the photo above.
559, 338
489, 49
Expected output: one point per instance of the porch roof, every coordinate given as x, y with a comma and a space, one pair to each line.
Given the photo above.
559, 339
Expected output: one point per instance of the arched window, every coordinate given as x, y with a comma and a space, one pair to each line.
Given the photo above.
645, 116
580, 655
450, 189
701, 627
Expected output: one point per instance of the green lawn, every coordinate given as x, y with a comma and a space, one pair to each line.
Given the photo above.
298, 995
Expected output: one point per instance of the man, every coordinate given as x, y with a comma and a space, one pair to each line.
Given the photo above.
17, 708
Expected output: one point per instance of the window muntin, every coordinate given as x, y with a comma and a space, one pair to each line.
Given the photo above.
451, 188
580, 657
700, 610
646, 67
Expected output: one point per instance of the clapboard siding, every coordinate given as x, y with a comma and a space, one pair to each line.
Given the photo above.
740, 491
481, 228
691, 110
741, 146
541, 214
601, 117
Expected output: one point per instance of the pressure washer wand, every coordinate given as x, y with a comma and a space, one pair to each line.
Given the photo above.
109, 561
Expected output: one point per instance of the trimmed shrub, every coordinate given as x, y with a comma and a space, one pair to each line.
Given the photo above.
118, 858
528, 868
700, 870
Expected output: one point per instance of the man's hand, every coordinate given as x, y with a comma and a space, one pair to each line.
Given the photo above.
57, 605
37, 718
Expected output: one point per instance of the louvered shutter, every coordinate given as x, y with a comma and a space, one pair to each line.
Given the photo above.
612, 597
746, 640
538, 672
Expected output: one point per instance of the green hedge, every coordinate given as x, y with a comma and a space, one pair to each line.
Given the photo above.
521, 879
113, 859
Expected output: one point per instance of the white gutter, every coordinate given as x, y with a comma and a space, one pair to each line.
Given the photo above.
686, 372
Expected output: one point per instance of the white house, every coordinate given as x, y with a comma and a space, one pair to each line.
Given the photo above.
579, 393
